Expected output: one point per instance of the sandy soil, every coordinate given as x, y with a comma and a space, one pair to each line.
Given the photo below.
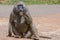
48, 26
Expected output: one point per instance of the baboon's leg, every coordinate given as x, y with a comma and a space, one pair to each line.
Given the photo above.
28, 34
32, 31
35, 32
16, 34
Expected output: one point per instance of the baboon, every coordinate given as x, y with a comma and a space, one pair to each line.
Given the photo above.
20, 22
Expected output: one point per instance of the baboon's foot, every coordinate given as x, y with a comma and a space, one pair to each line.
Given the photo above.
35, 39
16, 36
9, 35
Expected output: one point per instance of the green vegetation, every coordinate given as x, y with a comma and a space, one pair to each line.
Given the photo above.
33, 2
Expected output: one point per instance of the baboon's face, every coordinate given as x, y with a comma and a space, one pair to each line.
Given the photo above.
21, 10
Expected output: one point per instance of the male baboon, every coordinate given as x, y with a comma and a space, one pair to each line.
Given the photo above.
20, 22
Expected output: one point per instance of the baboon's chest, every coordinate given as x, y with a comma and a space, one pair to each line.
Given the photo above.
20, 24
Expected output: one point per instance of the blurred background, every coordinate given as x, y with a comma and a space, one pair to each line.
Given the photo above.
29, 2
36, 7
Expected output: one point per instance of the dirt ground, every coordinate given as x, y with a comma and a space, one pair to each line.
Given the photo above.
47, 26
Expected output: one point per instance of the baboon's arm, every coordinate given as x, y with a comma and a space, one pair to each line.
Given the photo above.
11, 19
10, 25
28, 17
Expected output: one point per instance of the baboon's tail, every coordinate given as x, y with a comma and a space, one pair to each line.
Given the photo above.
45, 37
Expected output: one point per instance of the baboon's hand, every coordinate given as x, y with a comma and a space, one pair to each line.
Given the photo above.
21, 14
